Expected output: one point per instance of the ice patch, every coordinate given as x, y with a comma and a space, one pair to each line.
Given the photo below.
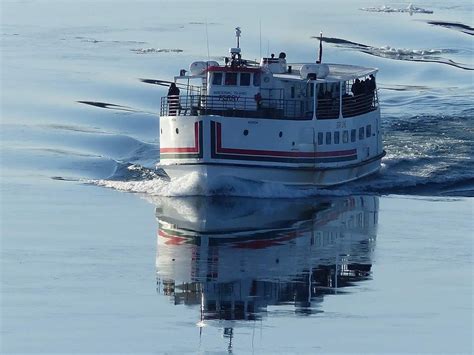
411, 9
156, 50
411, 52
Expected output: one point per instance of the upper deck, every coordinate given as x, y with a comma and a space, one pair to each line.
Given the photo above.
273, 89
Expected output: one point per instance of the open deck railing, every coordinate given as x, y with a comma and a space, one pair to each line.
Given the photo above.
359, 104
233, 106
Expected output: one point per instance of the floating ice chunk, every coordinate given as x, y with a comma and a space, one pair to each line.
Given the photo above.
406, 52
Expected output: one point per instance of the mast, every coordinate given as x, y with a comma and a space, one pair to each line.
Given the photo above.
237, 34
320, 57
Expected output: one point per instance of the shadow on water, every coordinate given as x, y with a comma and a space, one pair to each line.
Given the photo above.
413, 55
231, 258
454, 26
113, 106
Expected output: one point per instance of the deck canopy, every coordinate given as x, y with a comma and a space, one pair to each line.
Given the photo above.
337, 72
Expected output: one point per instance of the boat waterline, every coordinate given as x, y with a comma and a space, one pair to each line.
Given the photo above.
210, 173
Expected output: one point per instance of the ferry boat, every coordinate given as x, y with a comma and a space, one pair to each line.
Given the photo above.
273, 121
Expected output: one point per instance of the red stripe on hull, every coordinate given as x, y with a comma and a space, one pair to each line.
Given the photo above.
275, 153
194, 149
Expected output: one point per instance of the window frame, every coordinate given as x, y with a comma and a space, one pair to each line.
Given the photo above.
345, 136
328, 138
257, 79
249, 79
214, 75
353, 135
233, 74
320, 138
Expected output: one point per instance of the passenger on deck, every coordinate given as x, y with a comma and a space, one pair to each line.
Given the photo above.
371, 88
372, 85
366, 98
173, 99
356, 87
364, 86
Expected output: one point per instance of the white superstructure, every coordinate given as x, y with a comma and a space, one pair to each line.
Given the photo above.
304, 124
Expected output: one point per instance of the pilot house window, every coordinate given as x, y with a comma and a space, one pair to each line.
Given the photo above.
244, 79
217, 79
256, 79
231, 78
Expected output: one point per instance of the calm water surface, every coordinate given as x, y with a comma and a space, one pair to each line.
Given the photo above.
380, 265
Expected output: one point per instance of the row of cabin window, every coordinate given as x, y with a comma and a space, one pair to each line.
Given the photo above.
235, 79
363, 133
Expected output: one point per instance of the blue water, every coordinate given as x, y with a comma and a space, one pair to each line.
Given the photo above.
51, 64
81, 268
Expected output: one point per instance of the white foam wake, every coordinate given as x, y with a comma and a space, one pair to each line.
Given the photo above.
191, 185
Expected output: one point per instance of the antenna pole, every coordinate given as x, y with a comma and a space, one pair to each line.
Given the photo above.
237, 34
207, 42
260, 39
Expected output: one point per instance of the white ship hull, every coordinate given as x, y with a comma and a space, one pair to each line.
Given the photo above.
217, 148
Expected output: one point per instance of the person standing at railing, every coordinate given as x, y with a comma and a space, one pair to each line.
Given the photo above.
357, 87
173, 100
371, 86
365, 98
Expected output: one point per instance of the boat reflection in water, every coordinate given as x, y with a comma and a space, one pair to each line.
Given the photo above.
235, 256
